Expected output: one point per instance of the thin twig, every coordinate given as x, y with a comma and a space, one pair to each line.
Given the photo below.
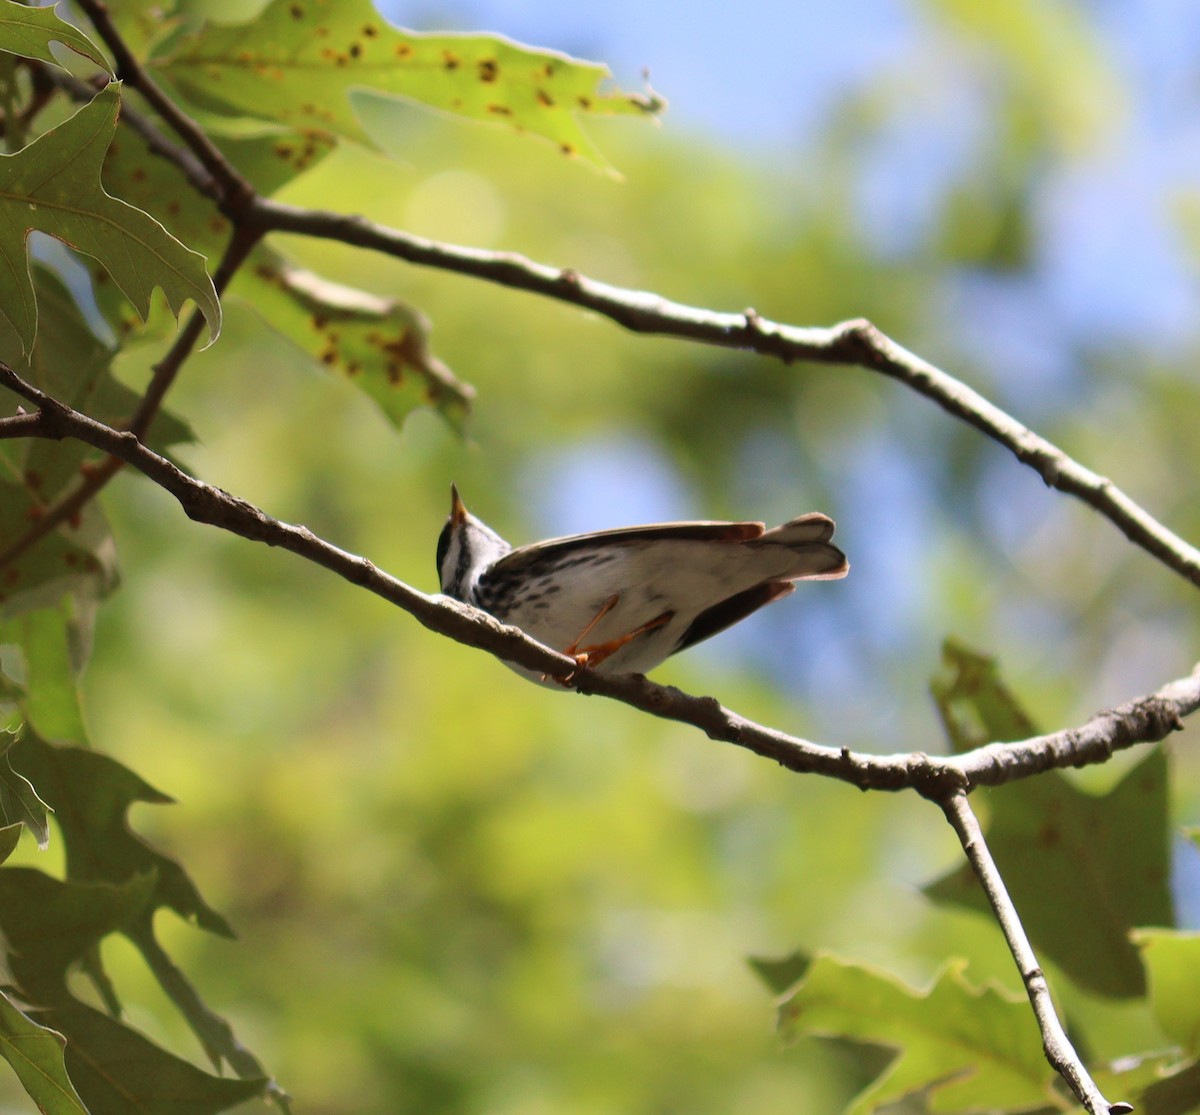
1147, 720
1059, 1050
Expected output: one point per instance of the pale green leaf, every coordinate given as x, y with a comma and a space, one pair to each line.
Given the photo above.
966, 1047
298, 62
36, 1056
1172, 960
379, 344
29, 32
53, 185
20, 803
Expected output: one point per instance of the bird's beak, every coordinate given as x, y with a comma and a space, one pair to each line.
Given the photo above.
458, 509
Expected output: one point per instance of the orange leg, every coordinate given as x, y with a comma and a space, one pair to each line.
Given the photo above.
607, 607
594, 655
597, 653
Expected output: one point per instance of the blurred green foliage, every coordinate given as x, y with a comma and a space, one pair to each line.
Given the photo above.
456, 892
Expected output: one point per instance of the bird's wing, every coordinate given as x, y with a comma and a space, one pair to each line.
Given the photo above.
527, 559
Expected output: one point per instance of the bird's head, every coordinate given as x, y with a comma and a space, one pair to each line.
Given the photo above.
467, 546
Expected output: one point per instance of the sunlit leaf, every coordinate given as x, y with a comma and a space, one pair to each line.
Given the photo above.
30, 31
378, 343
1082, 869
968, 1048
54, 185
36, 1056
298, 62
1172, 962
19, 801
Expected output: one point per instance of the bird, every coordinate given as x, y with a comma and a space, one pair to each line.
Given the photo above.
623, 601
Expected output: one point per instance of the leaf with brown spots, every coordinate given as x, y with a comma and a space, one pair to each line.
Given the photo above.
1082, 869
379, 344
302, 62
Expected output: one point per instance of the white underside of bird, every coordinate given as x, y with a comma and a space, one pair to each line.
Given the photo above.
622, 601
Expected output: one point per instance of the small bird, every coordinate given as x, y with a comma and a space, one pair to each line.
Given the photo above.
623, 601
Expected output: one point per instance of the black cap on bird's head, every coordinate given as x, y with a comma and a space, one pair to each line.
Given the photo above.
465, 548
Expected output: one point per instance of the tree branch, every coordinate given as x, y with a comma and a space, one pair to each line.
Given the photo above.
1149, 719
855, 342
1059, 1050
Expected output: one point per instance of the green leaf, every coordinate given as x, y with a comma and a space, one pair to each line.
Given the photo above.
10, 836
1083, 870
36, 1056
19, 801
55, 558
967, 1047
118, 1071
30, 31
299, 61
975, 705
54, 185
1172, 960
377, 343
781, 974
48, 925
72, 364
91, 795
52, 668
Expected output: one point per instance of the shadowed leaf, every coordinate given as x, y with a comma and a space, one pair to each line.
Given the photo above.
91, 795
1083, 870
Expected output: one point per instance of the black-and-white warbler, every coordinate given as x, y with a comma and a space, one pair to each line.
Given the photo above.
622, 601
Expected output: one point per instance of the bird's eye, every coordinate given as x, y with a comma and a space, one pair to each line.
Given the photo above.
443, 548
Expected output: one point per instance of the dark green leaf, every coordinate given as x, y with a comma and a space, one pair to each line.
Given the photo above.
91, 795
54, 185
10, 835
781, 974
118, 1071
1082, 870
47, 924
